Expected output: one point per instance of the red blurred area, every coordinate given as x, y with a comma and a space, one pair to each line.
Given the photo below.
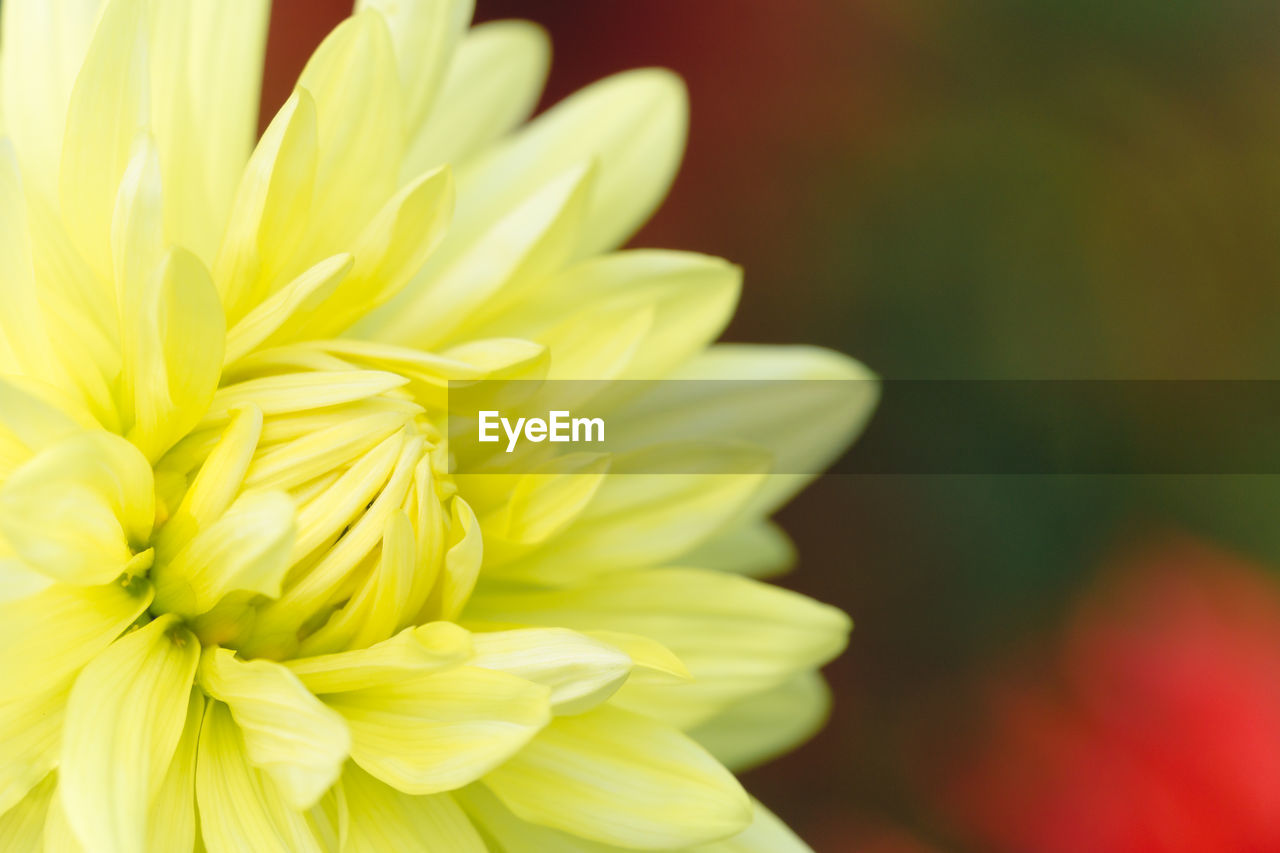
1154, 726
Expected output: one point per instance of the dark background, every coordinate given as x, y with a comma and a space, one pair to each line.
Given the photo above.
1021, 189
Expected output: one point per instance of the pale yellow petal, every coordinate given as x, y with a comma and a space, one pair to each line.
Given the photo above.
492, 85
124, 719
388, 253
622, 779
582, 672
44, 46
378, 608
22, 826
30, 734
804, 404
691, 298
302, 296
247, 549
506, 358
649, 510
177, 337
80, 509
514, 835
385, 819
171, 820
517, 250
32, 417
206, 72
529, 509
108, 109
25, 348
440, 731
270, 210
240, 808
39, 665
424, 33
216, 485
290, 464
355, 83
633, 124
767, 724
288, 733
414, 651
461, 562
300, 392
766, 834
48, 637
736, 636
58, 834
756, 548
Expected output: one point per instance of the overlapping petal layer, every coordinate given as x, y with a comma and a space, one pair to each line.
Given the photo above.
246, 602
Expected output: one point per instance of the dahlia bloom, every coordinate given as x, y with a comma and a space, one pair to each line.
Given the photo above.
246, 604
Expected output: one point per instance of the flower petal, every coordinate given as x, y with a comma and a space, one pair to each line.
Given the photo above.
388, 253
648, 510
246, 549
766, 724
79, 508
44, 46
22, 826
519, 836
206, 72
691, 296
302, 296
25, 347
124, 719
87, 618
633, 124
526, 510
240, 808
757, 549
109, 107
171, 821
736, 636
518, 249
30, 731
766, 834
353, 77
805, 432
384, 819
269, 213
582, 672
440, 731
424, 33
492, 85
39, 665
461, 562
176, 334
32, 417
216, 485
622, 779
288, 733
412, 652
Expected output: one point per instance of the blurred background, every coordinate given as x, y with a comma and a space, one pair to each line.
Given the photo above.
1030, 189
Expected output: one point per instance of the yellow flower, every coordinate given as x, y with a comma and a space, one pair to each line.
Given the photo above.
244, 603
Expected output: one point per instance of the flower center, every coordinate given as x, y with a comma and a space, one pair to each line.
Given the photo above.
333, 516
